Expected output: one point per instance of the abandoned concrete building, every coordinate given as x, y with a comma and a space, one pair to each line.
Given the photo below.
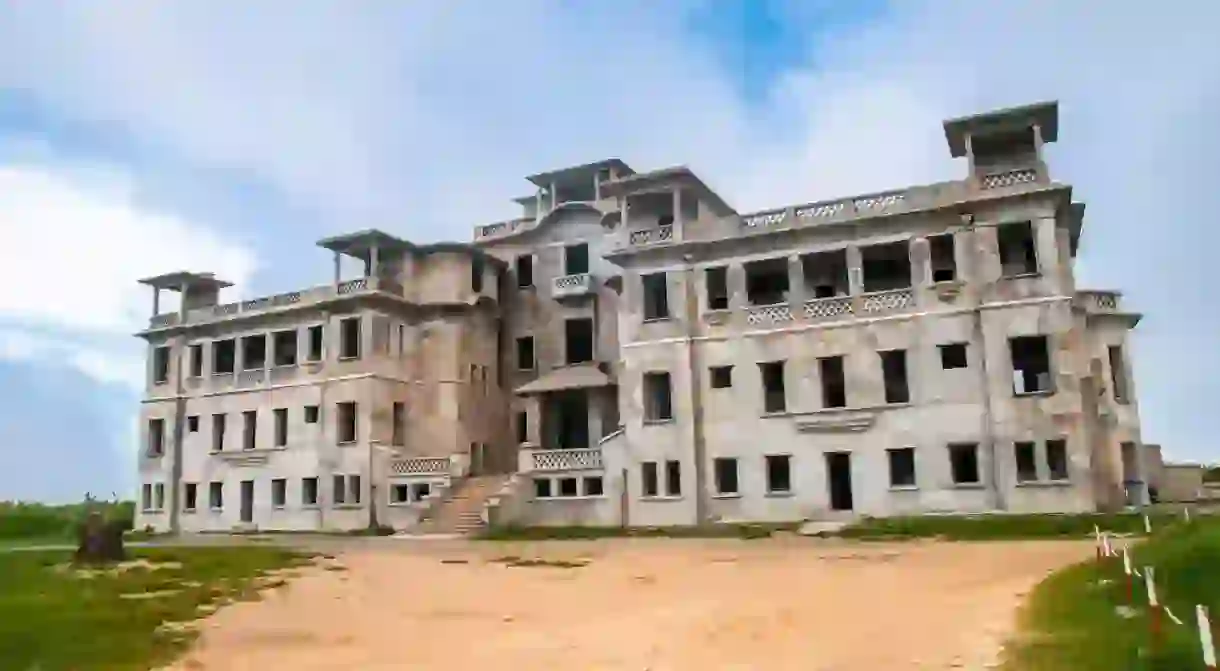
633, 351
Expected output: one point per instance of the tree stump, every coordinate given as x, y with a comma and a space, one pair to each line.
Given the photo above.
99, 541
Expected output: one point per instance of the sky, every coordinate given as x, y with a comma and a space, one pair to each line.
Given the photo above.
139, 137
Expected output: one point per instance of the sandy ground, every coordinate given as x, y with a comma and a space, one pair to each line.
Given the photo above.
661, 605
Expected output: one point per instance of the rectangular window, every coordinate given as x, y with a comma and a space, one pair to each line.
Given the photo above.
1027, 462
315, 342
345, 416
156, 437
1031, 364
894, 374
542, 488
885, 266
224, 356
159, 496
767, 281
673, 478
1057, 459
420, 491
964, 463
309, 491
249, 429
281, 427
902, 466
725, 470
398, 427
525, 353
476, 273
160, 365
190, 496
568, 487
400, 494
717, 280
349, 338
216, 495
311, 414
656, 296
1018, 255
774, 396
254, 352
523, 428
944, 265
779, 473
834, 385
525, 270
953, 356
576, 259
284, 348
354, 489
648, 477
146, 497
218, 432
578, 340
196, 360
658, 400
279, 492
722, 377
593, 485
192, 424
1118, 373
338, 490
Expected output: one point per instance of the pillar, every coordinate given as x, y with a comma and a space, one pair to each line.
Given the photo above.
338, 268
374, 261
677, 207
157, 301
624, 203
855, 278
533, 419
796, 283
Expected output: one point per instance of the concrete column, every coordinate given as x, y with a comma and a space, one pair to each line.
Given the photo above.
157, 302
554, 200
1038, 147
969, 156
677, 206
533, 419
855, 277
921, 261
338, 268
595, 418
796, 283
375, 261
597, 185
538, 204
736, 279
624, 204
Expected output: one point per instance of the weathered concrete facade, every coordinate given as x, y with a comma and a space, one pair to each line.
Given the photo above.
661, 359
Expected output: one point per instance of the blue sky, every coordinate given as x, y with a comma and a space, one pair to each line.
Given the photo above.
138, 137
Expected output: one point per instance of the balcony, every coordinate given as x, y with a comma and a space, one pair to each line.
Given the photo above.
1099, 302
268, 304
648, 236
530, 460
432, 466
886, 302
569, 286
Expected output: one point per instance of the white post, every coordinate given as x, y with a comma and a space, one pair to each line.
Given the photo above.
1126, 562
1147, 524
1205, 637
1186, 514
1150, 583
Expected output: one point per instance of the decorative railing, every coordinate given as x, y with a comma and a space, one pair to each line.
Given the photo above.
572, 285
999, 180
888, 301
352, 286
420, 466
829, 308
499, 228
757, 315
167, 319
566, 460
859, 206
1098, 300
284, 300
647, 236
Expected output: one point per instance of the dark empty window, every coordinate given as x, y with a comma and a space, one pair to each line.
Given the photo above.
578, 340
944, 265
216, 495
249, 429
1017, 249
281, 426
311, 414
568, 487
224, 354
398, 426
656, 296
576, 259
767, 281
254, 352
338, 489
834, 385
902, 466
894, 375
953, 356
192, 423
774, 397
542, 488
779, 473
279, 492
722, 377
1026, 457
1118, 372
886, 267
594, 486
349, 338
525, 270
825, 274
725, 469
523, 427
218, 432
964, 463
1057, 459
284, 346
309, 491
315, 343
345, 415
658, 401
717, 288
1031, 364
476, 273
673, 478
648, 478
156, 437
525, 353
160, 365
196, 360
190, 496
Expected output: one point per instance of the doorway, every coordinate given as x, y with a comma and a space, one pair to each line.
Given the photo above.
572, 419
838, 480
247, 501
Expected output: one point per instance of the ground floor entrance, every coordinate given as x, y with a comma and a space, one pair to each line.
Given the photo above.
838, 480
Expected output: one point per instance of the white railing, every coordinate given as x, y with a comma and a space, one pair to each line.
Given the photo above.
278, 301
420, 466
829, 308
758, 315
999, 180
857, 206
561, 460
1099, 301
572, 285
888, 301
647, 236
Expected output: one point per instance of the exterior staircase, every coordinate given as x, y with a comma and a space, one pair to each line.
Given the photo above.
460, 512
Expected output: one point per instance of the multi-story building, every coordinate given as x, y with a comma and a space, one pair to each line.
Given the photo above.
634, 351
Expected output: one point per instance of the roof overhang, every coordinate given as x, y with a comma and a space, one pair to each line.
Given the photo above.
1044, 115
545, 179
182, 280
582, 376
667, 177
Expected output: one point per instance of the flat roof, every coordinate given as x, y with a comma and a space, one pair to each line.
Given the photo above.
361, 243
180, 280
544, 179
1044, 114
681, 173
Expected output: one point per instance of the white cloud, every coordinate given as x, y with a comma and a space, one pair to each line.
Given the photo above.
118, 365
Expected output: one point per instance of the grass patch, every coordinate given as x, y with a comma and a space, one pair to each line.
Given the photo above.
744, 531
1071, 622
518, 562
133, 616
996, 527
39, 524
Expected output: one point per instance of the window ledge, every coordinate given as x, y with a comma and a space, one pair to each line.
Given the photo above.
348, 506
160, 383
1021, 276
189, 511
726, 496
284, 366
1045, 483
1042, 392
310, 506
279, 507
968, 485
345, 442
216, 510
770, 414
587, 497
656, 422
661, 499
904, 488
654, 320
153, 455
152, 511
780, 495
223, 374
350, 358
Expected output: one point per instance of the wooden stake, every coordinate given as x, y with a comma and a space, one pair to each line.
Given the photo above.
1147, 524
1205, 637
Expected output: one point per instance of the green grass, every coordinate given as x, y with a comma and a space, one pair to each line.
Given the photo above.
54, 618
996, 527
46, 524
744, 531
1071, 621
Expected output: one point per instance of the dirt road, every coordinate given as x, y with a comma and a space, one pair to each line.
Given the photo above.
661, 605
